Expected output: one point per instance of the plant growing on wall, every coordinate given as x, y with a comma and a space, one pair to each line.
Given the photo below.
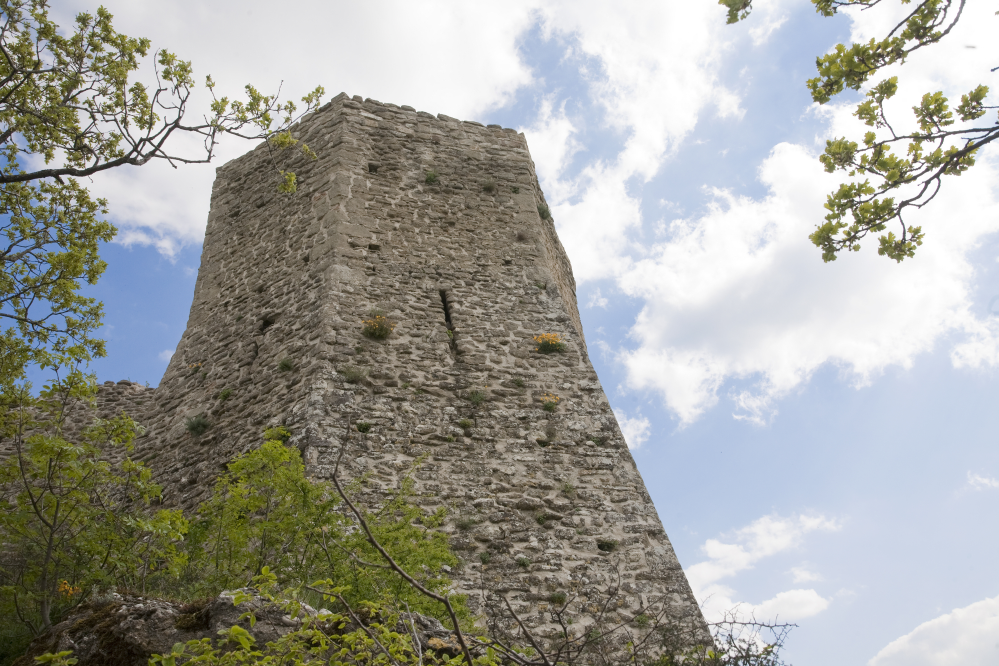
377, 328
549, 343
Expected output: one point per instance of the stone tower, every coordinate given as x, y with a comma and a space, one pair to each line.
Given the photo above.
469, 272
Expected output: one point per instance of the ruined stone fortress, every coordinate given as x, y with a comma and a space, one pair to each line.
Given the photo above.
469, 272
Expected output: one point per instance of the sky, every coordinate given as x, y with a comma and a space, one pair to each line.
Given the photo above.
819, 439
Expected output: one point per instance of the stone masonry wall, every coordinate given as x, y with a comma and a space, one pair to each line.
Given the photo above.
469, 273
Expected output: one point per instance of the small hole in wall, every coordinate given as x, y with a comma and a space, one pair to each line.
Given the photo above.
259, 289
372, 167
267, 322
522, 236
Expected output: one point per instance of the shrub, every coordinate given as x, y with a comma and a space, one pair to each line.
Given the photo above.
515, 189
476, 397
641, 620
286, 365
544, 212
523, 562
485, 557
362, 426
549, 402
465, 523
522, 236
542, 518
378, 328
277, 433
431, 178
466, 424
568, 489
489, 186
518, 382
606, 545
197, 425
224, 394
557, 598
450, 438
549, 343
352, 375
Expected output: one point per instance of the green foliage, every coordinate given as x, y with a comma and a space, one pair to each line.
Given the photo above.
489, 187
523, 562
333, 637
485, 557
74, 521
515, 189
362, 426
286, 365
466, 424
265, 512
197, 425
557, 598
278, 434
476, 397
568, 489
224, 394
606, 545
519, 383
431, 178
936, 147
544, 212
377, 328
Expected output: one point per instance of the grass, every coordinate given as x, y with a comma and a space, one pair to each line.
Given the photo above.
362, 426
489, 186
549, 402
476, 397
286, 365
518, 382
466, 424
606, 545
197, 425
542, 518
352, 375
544, 212
523, 562
377, 328
431, 178
557, 598
224, 394
549, 343
515, 189
485, 557
465, 523
568, 489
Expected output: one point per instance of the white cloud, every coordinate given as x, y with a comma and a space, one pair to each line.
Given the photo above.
967, 636
804, 575
166, 355
740, 293
979, 482
597, 300
764, 537
635, 430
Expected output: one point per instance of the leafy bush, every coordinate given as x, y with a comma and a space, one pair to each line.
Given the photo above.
518, 382
466, 424
286, 365
549, 402
197, 425
549, 343
224, 394
544, 212
476, 397
523, 562
515, 189
431, 178
568, 489
362, 426
557, 598
377, 328
465, 523
277, 434
485, 557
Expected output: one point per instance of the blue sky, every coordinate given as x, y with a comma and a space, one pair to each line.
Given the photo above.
819, 440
